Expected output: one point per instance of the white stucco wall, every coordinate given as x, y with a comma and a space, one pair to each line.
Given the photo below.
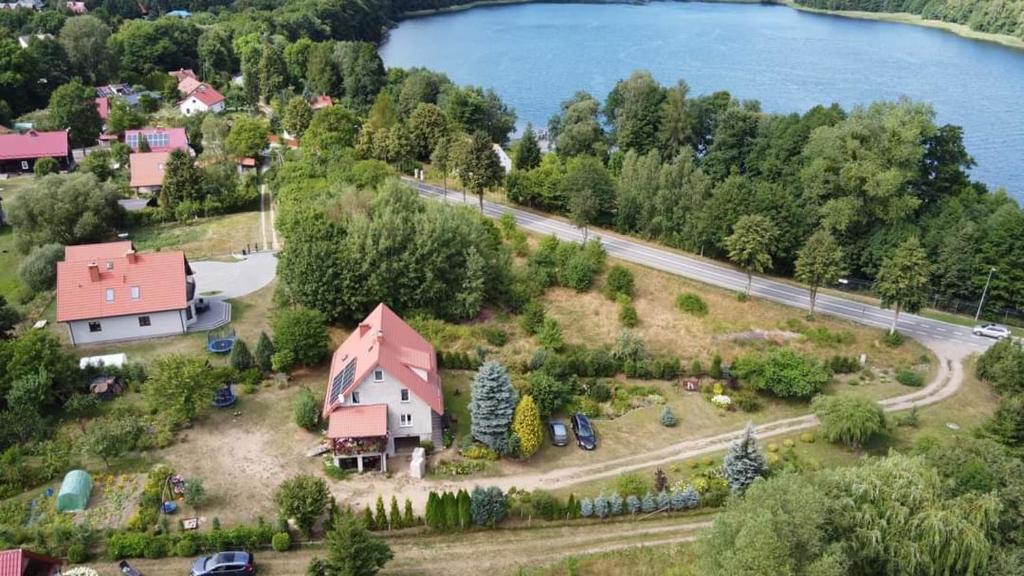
389, 392
193, 105
166, 323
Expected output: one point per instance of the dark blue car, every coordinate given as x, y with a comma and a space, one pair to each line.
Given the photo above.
224, 564
586, 438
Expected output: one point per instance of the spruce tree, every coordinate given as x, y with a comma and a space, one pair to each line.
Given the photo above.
527, 155
615, 504
664, 500
451, 511
492, 405
648, 504
601, 506
264, 352
241, 358
381, 518
395, 515
368, 518
408, 519
586, 508
431, 513
744, 463
633, 504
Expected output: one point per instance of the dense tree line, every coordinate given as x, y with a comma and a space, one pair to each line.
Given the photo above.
693, 171
994, 16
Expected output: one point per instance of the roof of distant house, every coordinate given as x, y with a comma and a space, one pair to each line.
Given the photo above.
77, 7
103, 107
111, 279
188, 85
13, 562
247, 162
321, 101
383, 340
147, 168
34, 144
207, 95
182, 73
275, 140
25, 40
114, 90
358, 421
159, 139
179, 13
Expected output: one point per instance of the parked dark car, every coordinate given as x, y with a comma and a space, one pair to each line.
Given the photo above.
559, 433
586, 438
234, 563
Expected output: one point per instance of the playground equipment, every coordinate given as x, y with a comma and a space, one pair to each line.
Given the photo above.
221, 341
224, 397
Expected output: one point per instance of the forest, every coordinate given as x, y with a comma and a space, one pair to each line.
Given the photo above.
992, 16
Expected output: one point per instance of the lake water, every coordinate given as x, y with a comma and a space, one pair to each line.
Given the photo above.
537, 55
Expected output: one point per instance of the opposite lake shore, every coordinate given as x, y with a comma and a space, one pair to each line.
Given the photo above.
896, 17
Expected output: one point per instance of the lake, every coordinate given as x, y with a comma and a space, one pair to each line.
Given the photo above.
537, 55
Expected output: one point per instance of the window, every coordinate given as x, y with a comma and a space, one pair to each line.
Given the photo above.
378, 375
144, 321
405, 394
95, 327
136, 293
355, 397
405, 420
24, 165
110, 294
110, 264
188, 313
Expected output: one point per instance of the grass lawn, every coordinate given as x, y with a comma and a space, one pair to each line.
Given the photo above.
668, 560
211, 238
10, 258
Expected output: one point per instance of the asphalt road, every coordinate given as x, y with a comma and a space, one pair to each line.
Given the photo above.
925, 330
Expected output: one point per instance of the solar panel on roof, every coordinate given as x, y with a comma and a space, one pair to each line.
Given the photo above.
343, 380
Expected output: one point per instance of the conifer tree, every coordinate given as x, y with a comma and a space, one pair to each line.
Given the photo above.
264, 352
571, 507
633, 504
381, 518
744, 463
408, 519
395, 515
615, 504
451, 511
527, 426
464, 505
492, 405
368, 518
648, 504
241, 358
586, 508
527, 156
601, 506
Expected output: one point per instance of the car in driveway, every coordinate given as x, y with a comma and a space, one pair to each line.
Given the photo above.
229, 563
586, 438
558, 432
992, 331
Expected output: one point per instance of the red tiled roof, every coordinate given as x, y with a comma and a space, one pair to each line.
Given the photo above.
182, 73
322, 101
175, 138
361, 421
12, 562
77, 7
247, 162
147, 168
82, 288
33, 144
384, 340
188, 84
103, 107
207, 95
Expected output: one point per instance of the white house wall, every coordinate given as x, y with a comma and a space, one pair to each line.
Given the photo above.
389, 392
167, 323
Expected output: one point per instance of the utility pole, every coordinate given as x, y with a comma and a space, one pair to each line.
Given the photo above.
983, 293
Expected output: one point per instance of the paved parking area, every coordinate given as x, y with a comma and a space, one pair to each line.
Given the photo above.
235, 279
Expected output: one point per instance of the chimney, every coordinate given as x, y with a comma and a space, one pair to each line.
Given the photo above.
94, 272
131, 255
363, 329
380, 335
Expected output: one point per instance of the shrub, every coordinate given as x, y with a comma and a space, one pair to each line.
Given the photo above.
614, 504
691, 304
240, 359
848, 419
908, 419
550, 335
716, 367
300, 336
909, 377
892, 339
586, 508
495, 336
807, 437
281, 542
77, 553
195, 492
633, 504
599, 392
479, 452
306, 410
668, 419
631, 483
618, 283
742, 297
488, 506
783, 372
264, 352
155, 548
747, 401
551, 395
39, 269
696, 369
601, 506
788, 443
627, 312
185, 547
527, 427
843, 364
45, 166
532, 318
648, 504
427, 445
303, 498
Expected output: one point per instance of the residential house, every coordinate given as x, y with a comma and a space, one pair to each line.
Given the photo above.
22, 5
77, 8
21, 562
109, 292
320, 102
147, 171
159, 139
383, 393
25, 40
19, 152
203, 99
179, 13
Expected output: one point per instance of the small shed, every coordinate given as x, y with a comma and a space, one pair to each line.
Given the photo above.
74, 491
106, 387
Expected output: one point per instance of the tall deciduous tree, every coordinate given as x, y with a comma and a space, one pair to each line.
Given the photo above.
84, 39
427, 126
751, 244
903, 279
183, 181
64, 209
443, 158
180, 386
492, 405
589, 191
73, 106
297, 116
820, 262
479, 166
744, 463
527, 155
272, 70
302, 498
248, 137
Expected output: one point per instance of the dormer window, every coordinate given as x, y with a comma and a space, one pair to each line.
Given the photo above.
378, 375
136, 293
110, 264
110, 294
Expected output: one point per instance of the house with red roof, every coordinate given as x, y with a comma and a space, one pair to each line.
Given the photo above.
320, 102
109, 292
147, 171
159, 139
383, 393
21, 562
203, 98
19, 152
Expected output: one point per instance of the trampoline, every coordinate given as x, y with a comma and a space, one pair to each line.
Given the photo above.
221, 341
224, 397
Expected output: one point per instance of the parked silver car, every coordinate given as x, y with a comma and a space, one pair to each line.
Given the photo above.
992, 331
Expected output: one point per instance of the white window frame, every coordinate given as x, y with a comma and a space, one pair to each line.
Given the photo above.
403, 394
378, 375
354, 396
24, 164
136, 292
405, 420
109, 295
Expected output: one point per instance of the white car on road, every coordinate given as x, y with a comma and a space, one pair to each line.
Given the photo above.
992, 331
